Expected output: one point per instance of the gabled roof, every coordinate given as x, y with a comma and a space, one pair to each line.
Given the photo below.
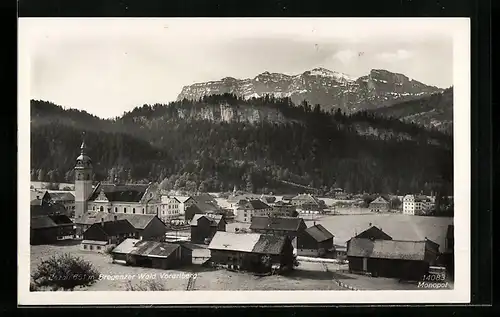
182, 199
319, 233
276, 223
255, 205
146, 248
202, 208
125, 193
387, 249
417, 198
203, 198
62, 196
139, 221
114, 228
212, 218
248, 242
306, 197
375, 232
39, 222
380, 200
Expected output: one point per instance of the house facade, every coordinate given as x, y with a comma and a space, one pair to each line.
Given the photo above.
408, 260
204, 227
415, 204
283, 209
251, 251
170, 208
380, 204
251, 208
153, 254
315, 241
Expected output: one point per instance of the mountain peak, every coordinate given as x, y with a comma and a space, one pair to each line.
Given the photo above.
323, 72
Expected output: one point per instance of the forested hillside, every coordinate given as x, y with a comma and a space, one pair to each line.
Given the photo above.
222, 141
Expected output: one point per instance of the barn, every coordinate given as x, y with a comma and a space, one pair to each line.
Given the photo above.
315, 241
205, 226
50, 229
408, 260
153, 254
289, 226
251, 251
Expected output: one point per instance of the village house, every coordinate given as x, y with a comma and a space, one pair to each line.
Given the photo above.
184, 202
45, 229
289, 226
200, 208
152, 254
247, 210
66, 199
447, 256
287, 198
251, 251
315, 241
380, 204
308, 204
283, 209
408, 260
43, 205
169, 208
105, 233
204, 227
415, 204
147, 227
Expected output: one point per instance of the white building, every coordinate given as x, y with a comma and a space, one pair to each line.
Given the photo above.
415, 204
169, 208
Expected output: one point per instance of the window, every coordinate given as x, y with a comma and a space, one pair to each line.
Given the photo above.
156, 209
101, 209
133, 210
125, 209
116, 209
98, 248
142, 210
85, 246
91, 247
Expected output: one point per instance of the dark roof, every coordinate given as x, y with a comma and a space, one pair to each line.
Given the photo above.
276, 223
449, 232
126, 193
38, 222
256, 204
387, 249
319, 233
62, 196
269, 244
375, 232
206, 206
146, 248
139, 221
113, 228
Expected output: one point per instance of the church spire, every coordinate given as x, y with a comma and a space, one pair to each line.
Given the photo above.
83, 147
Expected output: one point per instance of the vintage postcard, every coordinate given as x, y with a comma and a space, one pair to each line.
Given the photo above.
234, 161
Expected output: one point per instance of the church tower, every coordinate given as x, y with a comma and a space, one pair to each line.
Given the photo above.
83, 181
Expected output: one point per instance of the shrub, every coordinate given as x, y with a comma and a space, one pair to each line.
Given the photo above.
64, 272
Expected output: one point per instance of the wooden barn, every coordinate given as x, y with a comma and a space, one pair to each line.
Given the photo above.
315, 241
252, 251
380, 204
204, 227
50, 228
200, 208
100, 235
153, 254
372, 233
407, 260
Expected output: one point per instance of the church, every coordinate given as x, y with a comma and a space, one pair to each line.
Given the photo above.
110, 198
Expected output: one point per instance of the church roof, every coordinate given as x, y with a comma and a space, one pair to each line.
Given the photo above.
125, 193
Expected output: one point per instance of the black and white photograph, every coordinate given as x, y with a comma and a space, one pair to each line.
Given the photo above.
219, 161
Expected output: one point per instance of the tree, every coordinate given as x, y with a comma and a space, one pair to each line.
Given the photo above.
65, 272
395, 203
41, 175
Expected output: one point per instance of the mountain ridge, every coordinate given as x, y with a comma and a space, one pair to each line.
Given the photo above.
329, 89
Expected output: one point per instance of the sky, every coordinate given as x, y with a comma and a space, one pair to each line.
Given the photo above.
109, 66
